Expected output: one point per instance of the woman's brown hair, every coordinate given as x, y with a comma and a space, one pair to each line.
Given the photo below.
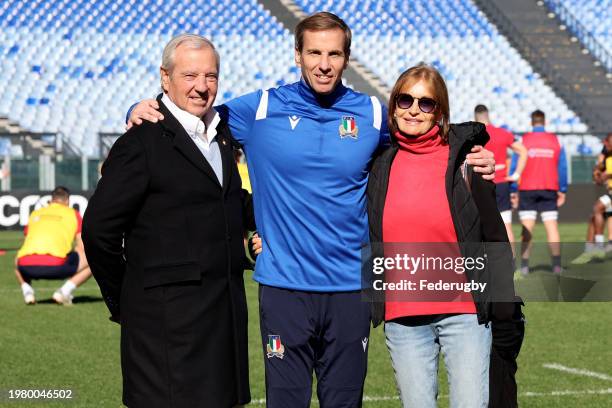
431, 75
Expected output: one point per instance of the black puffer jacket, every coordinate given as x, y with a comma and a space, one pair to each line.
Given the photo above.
475, 217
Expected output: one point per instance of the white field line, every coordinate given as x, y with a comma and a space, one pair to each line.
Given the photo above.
566, 392
366, 398
376, 399
17, 289
559, 393
578, 371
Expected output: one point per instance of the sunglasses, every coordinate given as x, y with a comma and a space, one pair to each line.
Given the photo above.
405, 101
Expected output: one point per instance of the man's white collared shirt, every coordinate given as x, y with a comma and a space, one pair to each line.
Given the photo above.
205, 137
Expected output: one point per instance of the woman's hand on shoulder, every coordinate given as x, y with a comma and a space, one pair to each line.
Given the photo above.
482, 161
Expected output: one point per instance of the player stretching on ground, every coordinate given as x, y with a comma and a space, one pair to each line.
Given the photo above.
602, 209
47, 252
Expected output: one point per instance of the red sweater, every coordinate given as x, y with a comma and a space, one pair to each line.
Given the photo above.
417, 210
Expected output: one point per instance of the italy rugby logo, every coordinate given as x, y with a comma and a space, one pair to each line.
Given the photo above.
275, 348
348, 127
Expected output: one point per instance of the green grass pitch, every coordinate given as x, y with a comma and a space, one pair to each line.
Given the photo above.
53, 347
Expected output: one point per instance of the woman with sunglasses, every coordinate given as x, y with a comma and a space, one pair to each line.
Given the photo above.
420, 191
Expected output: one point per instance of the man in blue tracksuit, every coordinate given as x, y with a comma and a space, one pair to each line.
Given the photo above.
309, 146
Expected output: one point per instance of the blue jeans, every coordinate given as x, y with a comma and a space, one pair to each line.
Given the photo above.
415, 343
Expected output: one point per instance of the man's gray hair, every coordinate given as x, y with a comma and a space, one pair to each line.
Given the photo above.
192, 41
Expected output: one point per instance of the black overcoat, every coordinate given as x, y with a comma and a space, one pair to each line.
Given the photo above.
165, 243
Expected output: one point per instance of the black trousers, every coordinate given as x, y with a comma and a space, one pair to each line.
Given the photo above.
303, 332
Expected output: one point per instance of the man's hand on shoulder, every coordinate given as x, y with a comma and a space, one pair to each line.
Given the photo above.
147, 109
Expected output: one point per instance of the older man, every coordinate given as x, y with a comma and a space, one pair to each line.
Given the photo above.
171, 192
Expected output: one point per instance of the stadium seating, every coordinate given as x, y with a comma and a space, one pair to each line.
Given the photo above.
74, 67
477, 62
593, 16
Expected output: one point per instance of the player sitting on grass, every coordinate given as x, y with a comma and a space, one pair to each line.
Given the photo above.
602, 174
47, 252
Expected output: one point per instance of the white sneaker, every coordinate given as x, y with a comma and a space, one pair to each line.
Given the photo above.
29, 298
60, 299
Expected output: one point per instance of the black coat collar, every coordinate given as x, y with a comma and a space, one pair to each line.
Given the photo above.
183, 143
